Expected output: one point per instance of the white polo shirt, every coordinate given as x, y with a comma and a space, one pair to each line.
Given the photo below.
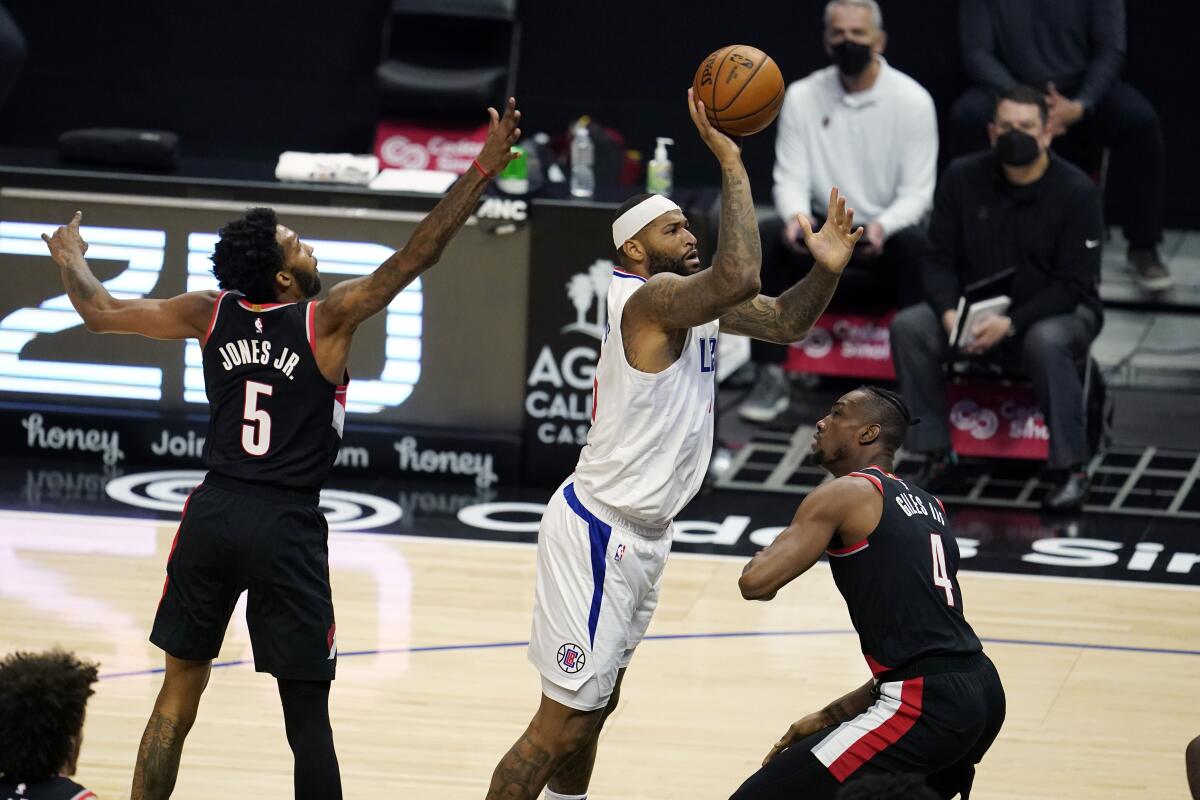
879, 147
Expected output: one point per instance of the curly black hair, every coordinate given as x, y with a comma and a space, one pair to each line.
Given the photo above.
248, 255
42, 699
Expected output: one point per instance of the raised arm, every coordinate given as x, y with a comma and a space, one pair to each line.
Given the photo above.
672, 302
352, 302
787, 318
184, 316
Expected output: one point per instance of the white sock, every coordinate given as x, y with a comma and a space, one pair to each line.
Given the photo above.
556, 796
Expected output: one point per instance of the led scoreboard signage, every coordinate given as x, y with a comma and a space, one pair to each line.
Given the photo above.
143, 253
448, 351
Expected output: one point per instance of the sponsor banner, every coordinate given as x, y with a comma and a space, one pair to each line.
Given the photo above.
413, 145
571, 264
853, 345
115, 440
996, 420
723, 523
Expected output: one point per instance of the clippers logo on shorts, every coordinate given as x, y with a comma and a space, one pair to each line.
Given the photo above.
620, 553
571, 658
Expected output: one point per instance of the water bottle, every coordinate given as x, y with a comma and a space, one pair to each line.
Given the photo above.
583, 156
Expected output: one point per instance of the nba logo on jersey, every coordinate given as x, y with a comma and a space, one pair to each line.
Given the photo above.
620, 553
258, 326
571, 658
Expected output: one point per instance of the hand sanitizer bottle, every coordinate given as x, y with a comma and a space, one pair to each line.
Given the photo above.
659, 172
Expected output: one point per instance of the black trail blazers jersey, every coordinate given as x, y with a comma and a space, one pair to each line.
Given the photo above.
900, 583
273, 417
57, 788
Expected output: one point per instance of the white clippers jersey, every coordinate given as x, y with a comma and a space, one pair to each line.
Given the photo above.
652, 434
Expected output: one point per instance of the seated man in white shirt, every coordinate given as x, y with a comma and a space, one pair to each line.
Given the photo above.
870, 130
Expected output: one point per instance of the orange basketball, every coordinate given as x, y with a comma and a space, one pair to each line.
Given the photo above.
741, 89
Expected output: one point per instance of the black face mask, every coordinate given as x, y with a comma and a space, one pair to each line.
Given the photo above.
852, 58
1016, 148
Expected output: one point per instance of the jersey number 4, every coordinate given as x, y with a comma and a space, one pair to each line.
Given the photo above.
256, 428
941, 575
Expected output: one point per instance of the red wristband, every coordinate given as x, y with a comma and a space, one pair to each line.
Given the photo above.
482, 171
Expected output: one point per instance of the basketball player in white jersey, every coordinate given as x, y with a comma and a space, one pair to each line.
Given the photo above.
606, 533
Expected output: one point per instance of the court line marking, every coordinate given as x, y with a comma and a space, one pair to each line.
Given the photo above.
662, 637
458, 540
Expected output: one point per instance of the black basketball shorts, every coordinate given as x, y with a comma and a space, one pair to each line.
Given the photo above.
936, 718
271, 543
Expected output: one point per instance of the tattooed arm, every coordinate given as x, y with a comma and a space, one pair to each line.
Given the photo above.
185, 316
352, 302
671, 302
843, 709
787, 318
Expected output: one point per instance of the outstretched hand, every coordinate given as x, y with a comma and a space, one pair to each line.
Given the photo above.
503, 133
834, 245
721, 145
67, 245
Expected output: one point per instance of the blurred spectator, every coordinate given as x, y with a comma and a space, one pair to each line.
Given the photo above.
870, 130
887, 787
42, 702
12, 53
1018, 207
1072, 50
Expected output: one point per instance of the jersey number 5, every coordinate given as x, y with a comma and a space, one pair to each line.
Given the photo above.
941, 575
256, 431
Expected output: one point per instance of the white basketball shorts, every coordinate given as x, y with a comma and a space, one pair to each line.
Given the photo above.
597, 588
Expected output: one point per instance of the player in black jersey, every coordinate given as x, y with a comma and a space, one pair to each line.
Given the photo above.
934, 704
275, 375
43, 697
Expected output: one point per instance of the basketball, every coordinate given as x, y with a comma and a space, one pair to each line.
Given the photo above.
741, 88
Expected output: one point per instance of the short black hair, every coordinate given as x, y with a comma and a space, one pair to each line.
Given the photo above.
42, 700
887, 787
248, 255
1025, 95
890, 412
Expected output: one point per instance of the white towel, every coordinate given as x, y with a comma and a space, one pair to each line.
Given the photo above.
423, 181
326, 167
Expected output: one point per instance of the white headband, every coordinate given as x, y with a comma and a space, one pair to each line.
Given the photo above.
638, 217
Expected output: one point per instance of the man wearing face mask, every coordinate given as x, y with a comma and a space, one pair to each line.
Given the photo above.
1015, 207
1072, 50
870, 130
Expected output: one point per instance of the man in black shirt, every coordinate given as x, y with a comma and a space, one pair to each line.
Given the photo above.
1016, 207
42, 701
1072, 50
934, 703
275, 375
